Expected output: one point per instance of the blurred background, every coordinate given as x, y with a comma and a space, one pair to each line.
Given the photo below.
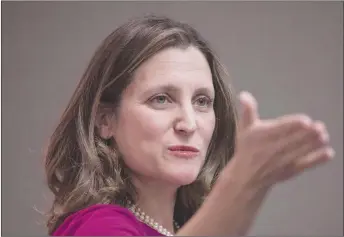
288, 54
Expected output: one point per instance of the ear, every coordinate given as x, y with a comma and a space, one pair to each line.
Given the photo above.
105, 122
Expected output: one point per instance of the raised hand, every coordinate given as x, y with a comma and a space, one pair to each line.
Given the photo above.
269, 151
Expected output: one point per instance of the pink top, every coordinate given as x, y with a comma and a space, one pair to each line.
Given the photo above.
104, 220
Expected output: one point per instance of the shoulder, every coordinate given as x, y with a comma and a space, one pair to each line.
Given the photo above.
101, 220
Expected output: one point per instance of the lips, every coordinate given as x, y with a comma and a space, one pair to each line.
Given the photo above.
183, 151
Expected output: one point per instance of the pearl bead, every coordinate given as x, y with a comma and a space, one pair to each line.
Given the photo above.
143, 217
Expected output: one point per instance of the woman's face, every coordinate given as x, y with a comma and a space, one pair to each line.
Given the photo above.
166, 118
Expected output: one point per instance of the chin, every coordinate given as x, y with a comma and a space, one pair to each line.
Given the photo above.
183, 177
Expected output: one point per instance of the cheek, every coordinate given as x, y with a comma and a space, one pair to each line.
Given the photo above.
140, 136
207, 126
151, 125
142, 130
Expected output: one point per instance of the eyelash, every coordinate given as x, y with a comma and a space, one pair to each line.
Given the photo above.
209, 101
157, 97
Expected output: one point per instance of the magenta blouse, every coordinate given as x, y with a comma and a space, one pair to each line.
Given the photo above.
104, 220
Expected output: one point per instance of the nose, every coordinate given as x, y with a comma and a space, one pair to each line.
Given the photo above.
186, 121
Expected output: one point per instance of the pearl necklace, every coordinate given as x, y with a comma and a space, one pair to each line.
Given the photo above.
143, 217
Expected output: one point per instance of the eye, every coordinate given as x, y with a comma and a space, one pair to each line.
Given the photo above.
204, 101
160, 99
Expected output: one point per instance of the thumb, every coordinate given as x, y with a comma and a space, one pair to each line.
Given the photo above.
248, 113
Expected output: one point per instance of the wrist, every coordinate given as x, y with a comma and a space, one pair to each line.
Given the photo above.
230, 187
239, 181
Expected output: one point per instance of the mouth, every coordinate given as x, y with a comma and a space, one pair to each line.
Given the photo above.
186, 152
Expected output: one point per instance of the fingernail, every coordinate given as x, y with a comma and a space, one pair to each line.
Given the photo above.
325, 137
331, 153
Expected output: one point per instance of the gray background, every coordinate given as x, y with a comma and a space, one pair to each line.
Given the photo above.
288, 54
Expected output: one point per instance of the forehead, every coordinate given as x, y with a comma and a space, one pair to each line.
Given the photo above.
174, 66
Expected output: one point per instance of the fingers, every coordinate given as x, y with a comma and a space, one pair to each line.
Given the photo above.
286, 125
305, 150
315, 153
314, 158
249, 112
301, 143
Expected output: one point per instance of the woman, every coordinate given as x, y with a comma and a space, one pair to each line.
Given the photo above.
144, 145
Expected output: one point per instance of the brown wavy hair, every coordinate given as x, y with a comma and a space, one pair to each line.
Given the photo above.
83, 169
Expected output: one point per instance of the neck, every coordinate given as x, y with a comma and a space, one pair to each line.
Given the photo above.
156, 200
